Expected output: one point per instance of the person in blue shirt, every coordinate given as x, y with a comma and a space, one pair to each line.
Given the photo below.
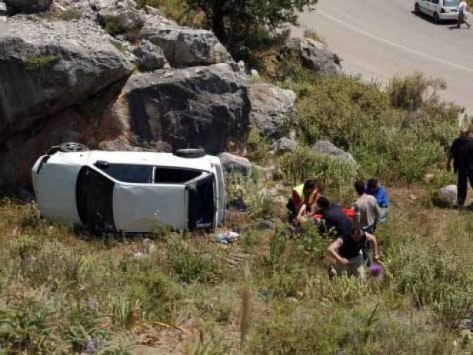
379, 192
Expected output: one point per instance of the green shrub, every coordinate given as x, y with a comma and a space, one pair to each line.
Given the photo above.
69, 15
331, 173
41, 62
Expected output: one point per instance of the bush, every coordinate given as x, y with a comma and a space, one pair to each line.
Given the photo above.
396, 135
331, 173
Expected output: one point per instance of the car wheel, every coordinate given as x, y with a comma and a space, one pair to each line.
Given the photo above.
436, 18
417, 9
190, 153
72, 147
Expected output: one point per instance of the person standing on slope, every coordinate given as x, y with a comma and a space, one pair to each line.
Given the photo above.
458, 155
462, 8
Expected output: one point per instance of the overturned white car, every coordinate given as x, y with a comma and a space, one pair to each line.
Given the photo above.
129, 192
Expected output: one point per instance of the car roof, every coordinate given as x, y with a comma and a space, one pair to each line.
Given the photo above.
141, 158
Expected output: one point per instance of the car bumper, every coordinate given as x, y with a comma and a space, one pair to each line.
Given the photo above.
449, 16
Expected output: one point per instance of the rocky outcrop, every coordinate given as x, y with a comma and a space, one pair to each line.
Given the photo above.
184, 46
149, 57
47, 67
204, 107
315, 56
235, 164
120, 16
327, 148
28, 6
272, 108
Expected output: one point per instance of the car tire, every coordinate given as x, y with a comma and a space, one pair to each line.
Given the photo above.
417, 9
72, 147
436, 18
190, 153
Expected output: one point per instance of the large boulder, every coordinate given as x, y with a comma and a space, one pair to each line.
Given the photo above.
315, 56
235, 164
447, 195
204, 107
149, 56
120, 16
271, 108
28, 6
285, 145
184, 46
46, 67
328, 148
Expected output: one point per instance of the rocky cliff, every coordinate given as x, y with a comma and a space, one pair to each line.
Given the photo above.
112, 76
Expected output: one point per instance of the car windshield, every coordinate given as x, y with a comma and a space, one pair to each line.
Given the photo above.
451, 3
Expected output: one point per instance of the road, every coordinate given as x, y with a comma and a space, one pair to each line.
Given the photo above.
383, 38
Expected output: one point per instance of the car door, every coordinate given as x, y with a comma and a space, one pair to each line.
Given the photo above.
202, 203
140, 208
434, 6
425, 6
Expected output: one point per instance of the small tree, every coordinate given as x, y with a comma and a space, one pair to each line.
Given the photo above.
244, 15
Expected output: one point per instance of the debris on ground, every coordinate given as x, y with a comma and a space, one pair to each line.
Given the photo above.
227, 237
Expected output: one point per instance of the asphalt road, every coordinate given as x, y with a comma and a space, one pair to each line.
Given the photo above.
383, 38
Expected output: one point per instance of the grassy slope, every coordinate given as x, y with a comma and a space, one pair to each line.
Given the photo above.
68, 283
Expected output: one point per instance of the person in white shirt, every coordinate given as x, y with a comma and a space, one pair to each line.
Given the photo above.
462, 8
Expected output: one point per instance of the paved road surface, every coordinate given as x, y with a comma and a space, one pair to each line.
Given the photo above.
383, 38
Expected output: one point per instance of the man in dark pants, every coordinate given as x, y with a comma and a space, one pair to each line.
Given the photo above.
461, 161
467, 164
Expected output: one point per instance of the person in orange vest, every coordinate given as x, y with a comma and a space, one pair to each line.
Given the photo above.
303, 201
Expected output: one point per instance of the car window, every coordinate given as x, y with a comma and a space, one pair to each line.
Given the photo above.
451, 3
139, 174
165, 175
435, 1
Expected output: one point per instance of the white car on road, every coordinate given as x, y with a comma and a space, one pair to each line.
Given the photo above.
129, 192
439, 10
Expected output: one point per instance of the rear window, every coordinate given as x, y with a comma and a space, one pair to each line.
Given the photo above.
164, 175
138, 174
451, 3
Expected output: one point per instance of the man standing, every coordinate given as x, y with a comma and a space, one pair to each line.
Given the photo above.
462, 8
381, 196
303, 201
347, 252
368, 214
459, 155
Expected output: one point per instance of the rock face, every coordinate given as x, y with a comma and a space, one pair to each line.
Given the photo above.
272, 108
235, 164
204, 107
447, 194
184, 46
28, 6
149, 56
316, 56
120, 16
47, 67
327, 148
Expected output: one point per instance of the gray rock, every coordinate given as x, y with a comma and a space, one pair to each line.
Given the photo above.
315, 56
121, 16
46, 67
204, 107
271, 108
28, 6
235, 164
184, 46
327, 148
447, 194
285, 144
149, 56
